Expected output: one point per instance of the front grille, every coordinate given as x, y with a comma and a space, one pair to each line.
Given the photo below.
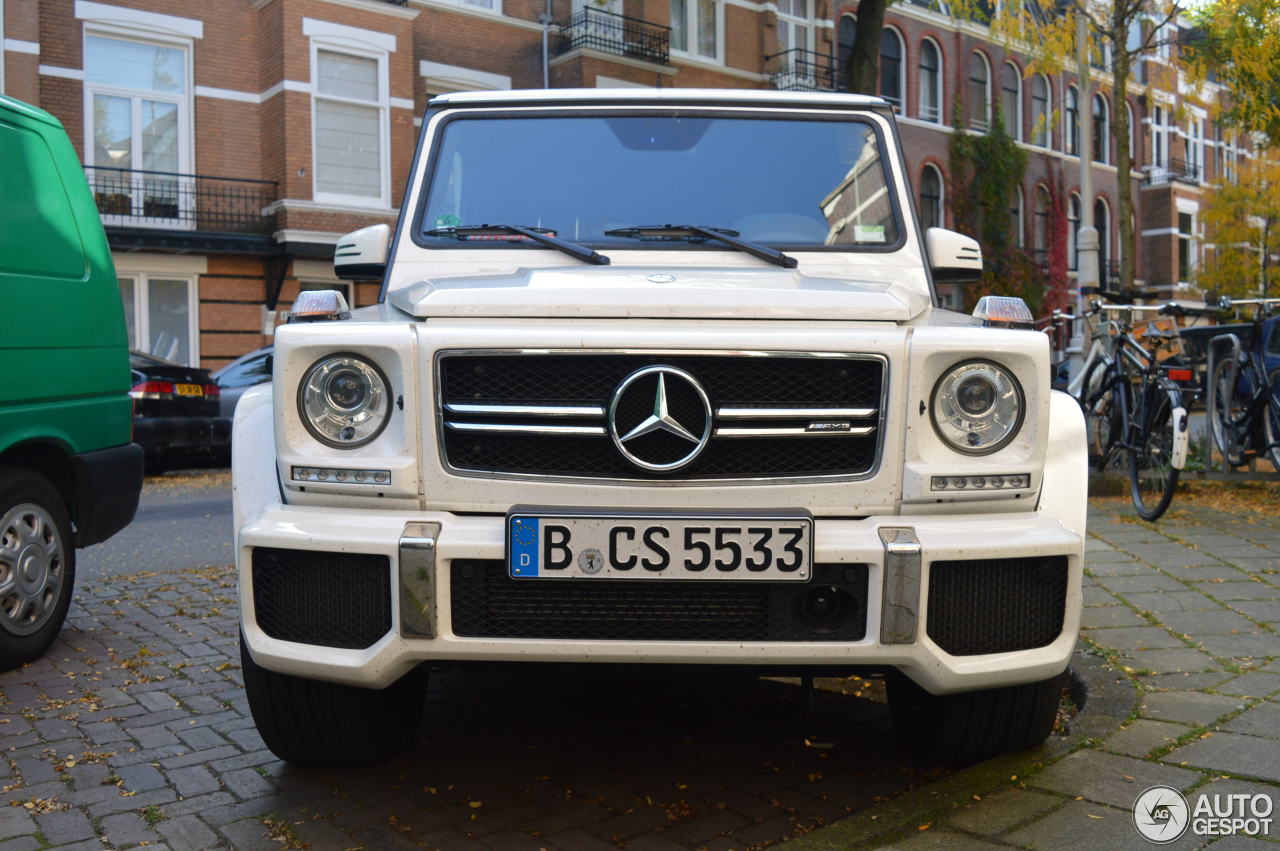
486, 602
547, 414
996, 605
323, 598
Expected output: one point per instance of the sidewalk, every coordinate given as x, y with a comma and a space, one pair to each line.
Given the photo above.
1189, 608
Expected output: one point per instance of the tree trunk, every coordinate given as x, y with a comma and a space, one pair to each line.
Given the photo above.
863, 71
1120, 133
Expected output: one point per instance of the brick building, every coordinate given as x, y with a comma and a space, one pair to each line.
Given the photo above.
230, 143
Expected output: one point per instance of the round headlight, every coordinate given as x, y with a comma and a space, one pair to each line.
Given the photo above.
344, 401
977, 407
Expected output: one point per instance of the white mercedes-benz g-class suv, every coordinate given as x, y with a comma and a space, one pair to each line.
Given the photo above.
657, 377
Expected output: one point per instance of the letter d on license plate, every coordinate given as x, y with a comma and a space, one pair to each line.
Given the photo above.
549, 545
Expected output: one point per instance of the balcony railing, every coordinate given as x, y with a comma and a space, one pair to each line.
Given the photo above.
801, 70
194, 202
1174, 170
610, 32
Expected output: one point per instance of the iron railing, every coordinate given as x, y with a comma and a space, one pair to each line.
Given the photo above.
801, 70
197, 202
1175, 170
600, 29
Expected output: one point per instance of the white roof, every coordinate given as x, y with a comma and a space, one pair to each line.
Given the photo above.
675, 95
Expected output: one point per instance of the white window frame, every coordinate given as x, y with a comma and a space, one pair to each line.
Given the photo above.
1012, 123
1188, 207
1160, 136
1133, 135
1071, 125
1019, 225
142, 316
1073, 233
186, 114
365, 44
942, 195
984, 125
1047, 127
939, 73
691, 29
1195, 142
901, 105
809, 24
1102, 151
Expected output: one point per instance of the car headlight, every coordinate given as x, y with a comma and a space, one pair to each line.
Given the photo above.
344, 401
977, 407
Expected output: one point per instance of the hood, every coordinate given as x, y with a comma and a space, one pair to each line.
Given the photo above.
646, 293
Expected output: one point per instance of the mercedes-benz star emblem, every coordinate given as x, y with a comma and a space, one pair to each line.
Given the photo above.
660, 418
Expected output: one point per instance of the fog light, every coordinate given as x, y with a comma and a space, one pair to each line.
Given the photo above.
959, 483
341, 475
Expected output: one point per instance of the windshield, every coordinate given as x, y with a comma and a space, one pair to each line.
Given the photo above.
787, 182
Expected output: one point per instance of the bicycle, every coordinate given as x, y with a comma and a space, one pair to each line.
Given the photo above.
1133, 410
1242, 385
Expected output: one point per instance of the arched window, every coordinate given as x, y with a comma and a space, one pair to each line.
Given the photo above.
1041, 111
1133, 156
1101, 130
1015, 216
979, 92
1011, 100
931, 209
891, 85
1073, 122
1102, 222
930, 81
1073, 231
1042, 233
844, 48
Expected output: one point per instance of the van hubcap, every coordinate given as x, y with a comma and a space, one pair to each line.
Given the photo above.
31, 568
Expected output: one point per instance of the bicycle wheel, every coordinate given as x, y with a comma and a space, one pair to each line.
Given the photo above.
1229, 433
1152, 477
1271, 423
1099, 415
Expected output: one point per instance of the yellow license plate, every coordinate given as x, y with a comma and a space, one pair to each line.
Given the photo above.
188, 389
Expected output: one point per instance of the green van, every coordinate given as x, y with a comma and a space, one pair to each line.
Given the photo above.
69, 474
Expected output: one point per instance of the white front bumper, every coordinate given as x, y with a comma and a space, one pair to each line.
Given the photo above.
836, 541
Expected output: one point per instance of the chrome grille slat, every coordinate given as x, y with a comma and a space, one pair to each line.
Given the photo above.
794, 413
791, 431
530, 428
526, 410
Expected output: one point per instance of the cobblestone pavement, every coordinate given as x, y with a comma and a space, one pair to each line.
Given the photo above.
134, 730
1190, 608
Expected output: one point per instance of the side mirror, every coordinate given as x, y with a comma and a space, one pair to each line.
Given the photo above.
362, 254
953, 257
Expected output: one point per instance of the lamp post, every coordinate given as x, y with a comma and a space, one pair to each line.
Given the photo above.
1087, 237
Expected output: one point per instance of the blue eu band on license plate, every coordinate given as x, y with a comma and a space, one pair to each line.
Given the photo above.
775, 548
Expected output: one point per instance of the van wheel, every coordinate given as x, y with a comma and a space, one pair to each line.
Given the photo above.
37, 566
314, 723
961, 729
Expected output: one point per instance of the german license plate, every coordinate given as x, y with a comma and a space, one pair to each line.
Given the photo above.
632, 546
188, 389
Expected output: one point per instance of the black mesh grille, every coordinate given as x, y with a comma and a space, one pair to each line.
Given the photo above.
329, 599
729, 381
486, 602
996, 605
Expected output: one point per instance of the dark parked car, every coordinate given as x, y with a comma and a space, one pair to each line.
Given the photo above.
241, 374
175, 413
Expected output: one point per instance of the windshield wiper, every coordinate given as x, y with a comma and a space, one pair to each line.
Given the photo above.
539, 235
724, 235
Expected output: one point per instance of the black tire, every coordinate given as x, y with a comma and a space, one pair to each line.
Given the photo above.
1096, 400
1152, 477
37, 566
314, 723
1271, 422
961, 729
1231, 438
